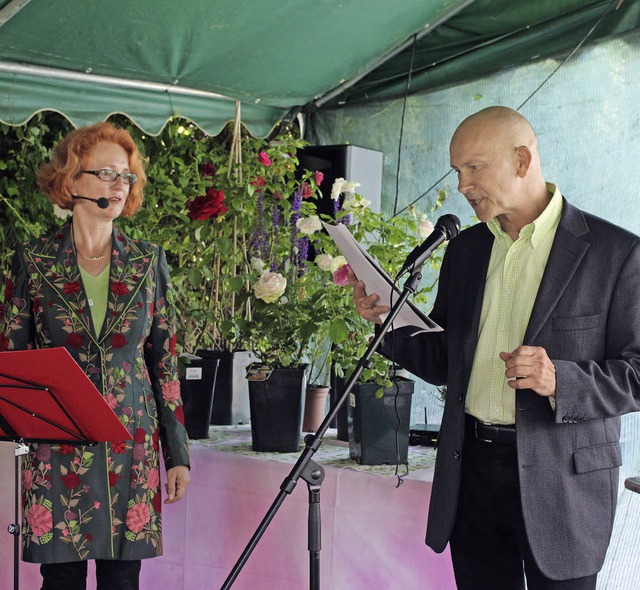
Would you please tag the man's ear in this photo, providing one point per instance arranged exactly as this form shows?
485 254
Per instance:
523 160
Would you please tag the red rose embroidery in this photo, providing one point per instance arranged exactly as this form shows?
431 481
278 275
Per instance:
172 345
137 516
71 480
39 519
119 288
71 287
118 341
114 478
155 440
74 340
8 290
118 447
207 206
4 342
139 436
66 449
179 412
156 503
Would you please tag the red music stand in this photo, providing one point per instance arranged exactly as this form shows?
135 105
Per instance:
45 397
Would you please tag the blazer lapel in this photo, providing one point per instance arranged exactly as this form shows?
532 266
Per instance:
130 265
566 254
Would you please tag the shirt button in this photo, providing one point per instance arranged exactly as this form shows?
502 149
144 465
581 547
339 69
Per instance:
456 455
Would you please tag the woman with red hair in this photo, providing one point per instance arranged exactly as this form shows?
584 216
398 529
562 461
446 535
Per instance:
106 298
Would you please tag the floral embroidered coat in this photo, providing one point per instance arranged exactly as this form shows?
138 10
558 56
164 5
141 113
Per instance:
103 501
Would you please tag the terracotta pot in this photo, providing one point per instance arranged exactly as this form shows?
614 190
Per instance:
315 406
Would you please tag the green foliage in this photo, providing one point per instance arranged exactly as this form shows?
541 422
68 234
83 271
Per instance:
210 258
24 212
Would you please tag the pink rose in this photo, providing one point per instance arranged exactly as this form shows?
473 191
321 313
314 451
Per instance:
264 158
137 516
153 479
27 479
39 519
171 391
341 276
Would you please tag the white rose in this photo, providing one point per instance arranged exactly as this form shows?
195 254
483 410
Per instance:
257 264
324 261
337 262
270 287
349 187
336 188
425 227
356 203
309 225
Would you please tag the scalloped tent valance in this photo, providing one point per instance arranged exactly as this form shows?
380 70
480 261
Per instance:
155 59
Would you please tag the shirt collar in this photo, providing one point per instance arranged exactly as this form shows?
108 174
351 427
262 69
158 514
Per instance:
536 230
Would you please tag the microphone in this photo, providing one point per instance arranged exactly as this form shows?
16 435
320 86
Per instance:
447 228
102 202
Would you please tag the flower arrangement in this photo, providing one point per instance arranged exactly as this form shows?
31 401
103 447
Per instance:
254 222
389 241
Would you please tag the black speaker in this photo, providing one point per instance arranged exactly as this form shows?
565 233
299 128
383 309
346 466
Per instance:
350 162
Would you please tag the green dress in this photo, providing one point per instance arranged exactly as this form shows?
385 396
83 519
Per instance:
102 501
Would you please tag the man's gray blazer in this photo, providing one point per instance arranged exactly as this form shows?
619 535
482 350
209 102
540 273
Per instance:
587 317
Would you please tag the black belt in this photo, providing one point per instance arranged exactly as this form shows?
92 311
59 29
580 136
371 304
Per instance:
490 433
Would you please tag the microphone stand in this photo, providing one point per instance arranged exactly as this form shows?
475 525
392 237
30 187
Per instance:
309 470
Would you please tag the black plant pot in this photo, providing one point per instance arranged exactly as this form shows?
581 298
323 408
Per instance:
372 429
231 395
276 411
197 389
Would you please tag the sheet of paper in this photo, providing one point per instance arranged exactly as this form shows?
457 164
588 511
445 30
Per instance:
377 280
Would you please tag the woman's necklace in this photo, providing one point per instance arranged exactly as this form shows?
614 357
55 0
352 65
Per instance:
89 258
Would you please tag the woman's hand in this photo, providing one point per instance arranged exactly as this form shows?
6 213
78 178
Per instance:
366 304
178 479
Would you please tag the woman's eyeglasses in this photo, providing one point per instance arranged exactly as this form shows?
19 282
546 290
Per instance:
110 175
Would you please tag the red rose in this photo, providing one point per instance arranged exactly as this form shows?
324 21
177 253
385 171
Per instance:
140 435
71 480
118 341
207 206
319 177
8 290
114 478
119 288
264 158
156 503
307 191
208 170
72 287
74 340
118 447
259 181
154 439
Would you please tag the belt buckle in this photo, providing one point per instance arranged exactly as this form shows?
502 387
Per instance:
475 430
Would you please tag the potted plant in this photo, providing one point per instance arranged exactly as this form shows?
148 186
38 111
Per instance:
389 242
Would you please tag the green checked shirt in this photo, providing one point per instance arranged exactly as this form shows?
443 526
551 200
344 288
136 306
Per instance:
514 275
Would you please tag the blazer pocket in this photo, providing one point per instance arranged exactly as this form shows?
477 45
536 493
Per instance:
580 322
605 456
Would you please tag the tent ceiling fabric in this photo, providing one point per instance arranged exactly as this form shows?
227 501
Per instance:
153 59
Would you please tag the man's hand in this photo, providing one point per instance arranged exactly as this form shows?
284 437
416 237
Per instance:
178 479
366 304
529 367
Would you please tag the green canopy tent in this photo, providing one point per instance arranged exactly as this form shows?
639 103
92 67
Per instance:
199 59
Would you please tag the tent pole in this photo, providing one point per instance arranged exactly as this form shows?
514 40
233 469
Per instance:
11 9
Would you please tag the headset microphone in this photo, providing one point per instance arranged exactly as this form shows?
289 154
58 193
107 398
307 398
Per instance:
102 202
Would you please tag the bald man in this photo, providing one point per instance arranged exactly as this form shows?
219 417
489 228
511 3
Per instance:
540 353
